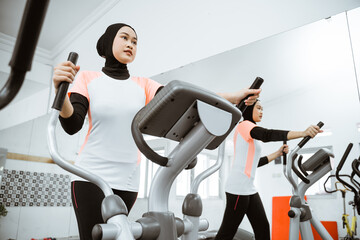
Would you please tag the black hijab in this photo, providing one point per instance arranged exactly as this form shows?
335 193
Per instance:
113 68
248 113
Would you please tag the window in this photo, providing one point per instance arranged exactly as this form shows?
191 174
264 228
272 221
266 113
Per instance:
147 172
209 187
318 187
183 182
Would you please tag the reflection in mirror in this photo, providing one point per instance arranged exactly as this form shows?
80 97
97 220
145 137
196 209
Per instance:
310 76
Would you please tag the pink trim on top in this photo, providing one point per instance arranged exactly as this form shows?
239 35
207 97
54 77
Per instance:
235 139
138 157
244 128
250 158
82 81
88 133
150 86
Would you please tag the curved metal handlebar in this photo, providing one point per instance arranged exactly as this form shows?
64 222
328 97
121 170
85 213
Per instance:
296 171
336 188
301 166
59 160
196 183
143 146
339 167
26 41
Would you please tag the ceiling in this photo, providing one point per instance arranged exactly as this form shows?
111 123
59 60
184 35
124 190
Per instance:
66 18
53 31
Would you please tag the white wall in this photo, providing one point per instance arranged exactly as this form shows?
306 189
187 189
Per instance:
31 138
37 222
32 99
179 33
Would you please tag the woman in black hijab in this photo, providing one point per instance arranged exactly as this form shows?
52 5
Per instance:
242 197
113 67
110 97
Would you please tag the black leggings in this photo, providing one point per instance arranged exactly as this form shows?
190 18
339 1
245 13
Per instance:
236 207
86 198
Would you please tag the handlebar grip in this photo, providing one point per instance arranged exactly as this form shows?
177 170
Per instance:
346 154
284 154
255 85
63 86
307 138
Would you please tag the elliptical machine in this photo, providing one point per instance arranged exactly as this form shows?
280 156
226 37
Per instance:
300 213
181 112
184 113
350 228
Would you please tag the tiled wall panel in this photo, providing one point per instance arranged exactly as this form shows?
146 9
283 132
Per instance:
34 189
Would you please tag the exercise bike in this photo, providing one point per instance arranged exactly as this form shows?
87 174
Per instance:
350 228
300 212
181 112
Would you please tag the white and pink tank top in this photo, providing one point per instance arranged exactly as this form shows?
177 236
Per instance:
246 158
109 150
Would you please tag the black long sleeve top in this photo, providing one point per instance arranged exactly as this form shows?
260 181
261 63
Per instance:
267 135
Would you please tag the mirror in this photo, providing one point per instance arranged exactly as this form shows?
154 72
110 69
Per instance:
310 76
